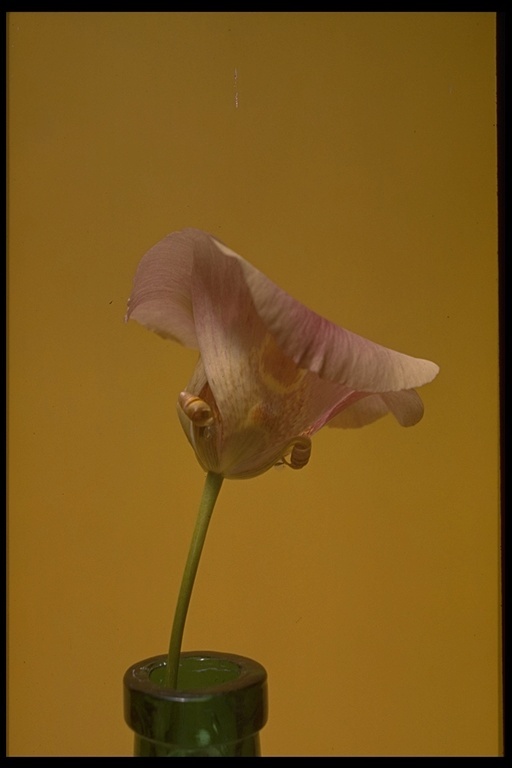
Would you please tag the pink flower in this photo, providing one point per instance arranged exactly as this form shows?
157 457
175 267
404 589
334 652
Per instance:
271 372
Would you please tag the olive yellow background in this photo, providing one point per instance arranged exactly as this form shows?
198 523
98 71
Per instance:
352 158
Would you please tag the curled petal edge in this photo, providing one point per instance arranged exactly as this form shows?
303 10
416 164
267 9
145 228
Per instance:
406 406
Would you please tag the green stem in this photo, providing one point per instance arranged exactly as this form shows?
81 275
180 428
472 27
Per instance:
211 490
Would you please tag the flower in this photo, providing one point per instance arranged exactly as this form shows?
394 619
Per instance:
271 372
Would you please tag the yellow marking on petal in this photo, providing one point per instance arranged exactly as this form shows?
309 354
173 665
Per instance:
261 415
277 371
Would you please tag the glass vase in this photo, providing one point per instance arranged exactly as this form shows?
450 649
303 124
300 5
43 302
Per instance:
217 709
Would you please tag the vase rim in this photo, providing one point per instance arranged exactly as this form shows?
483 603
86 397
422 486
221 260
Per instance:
250 673
226 712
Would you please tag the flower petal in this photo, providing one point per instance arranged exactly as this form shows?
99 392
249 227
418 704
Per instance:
255 385
327 349
161 298
162 301
229 331
406 407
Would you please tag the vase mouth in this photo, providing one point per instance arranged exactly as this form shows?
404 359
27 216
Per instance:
219 708
213 673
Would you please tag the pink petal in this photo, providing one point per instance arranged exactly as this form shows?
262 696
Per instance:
229 330
406 407
161 298
327 349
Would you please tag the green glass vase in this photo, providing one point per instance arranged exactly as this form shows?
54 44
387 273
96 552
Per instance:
217 709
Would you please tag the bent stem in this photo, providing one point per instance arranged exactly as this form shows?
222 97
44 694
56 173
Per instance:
211 490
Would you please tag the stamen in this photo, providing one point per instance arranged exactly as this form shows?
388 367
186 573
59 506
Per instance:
197 410
300 453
